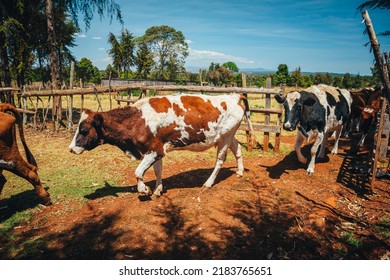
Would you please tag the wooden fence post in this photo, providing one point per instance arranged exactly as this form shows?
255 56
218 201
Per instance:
70 120
267 115
248 138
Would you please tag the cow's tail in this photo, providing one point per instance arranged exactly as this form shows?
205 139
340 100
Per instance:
8 108
251 132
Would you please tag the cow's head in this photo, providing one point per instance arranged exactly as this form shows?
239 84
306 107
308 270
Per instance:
88 133
294 105
373 104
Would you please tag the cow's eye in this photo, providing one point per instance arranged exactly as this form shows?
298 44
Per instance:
299 107
83 131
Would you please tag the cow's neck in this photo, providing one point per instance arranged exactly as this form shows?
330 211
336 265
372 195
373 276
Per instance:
119 128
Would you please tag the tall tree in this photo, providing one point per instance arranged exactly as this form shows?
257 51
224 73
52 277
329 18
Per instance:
87 9
143 61
168 45
231 66
122 51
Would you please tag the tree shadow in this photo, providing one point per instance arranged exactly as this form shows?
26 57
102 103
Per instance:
17 203
189 179
266 232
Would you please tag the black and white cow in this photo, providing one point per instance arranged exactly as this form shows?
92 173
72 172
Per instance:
316 111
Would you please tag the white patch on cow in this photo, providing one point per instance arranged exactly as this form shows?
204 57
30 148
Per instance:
291 97
72 146
7 164
368 110
229 119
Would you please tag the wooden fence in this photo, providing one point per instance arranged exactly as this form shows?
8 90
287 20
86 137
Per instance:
113 92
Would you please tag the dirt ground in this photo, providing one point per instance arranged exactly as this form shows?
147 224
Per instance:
275 211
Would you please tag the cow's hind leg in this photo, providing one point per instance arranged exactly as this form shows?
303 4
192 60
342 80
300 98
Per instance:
336 142
221 157
158 171
29 172
146 163
235 147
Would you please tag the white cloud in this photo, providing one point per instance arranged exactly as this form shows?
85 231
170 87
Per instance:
188 41
101 49
107 59
97 38
212 56
81 35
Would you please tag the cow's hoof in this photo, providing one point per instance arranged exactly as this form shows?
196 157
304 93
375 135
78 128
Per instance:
158 191
46 202
310 171
239 174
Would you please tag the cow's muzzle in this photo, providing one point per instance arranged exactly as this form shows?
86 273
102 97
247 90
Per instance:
76 150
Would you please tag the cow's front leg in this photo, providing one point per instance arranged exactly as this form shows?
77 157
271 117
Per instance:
297 147
313 152
146 163
158 171
221 157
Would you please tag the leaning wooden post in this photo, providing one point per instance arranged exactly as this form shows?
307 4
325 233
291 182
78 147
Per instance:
383 71
384 74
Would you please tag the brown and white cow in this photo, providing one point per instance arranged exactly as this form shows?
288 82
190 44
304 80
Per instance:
154 126
10 158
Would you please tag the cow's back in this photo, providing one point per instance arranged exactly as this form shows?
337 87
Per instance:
194 122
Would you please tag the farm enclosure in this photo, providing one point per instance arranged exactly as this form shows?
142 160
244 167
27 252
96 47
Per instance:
276 211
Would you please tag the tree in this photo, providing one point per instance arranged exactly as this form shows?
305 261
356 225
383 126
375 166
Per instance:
168 46
85 7
295 78
143 61
87 72
281 75
219 75
231 66
122 51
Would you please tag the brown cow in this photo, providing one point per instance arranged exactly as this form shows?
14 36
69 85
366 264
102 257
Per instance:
10 158
155 126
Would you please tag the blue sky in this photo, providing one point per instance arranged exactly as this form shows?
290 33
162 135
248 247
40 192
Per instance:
318 35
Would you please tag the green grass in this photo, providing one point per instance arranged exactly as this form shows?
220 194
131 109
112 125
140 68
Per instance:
350 239
383 227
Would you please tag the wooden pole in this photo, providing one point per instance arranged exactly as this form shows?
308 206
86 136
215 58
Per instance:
200 77
383 71
70 120
267 115
384 74
71 75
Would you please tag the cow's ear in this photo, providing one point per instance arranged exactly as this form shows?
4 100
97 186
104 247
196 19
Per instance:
280 98
309 101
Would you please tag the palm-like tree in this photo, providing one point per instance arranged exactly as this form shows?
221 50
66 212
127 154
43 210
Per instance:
122 51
